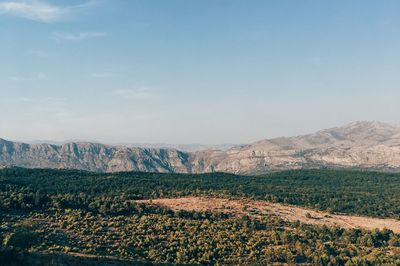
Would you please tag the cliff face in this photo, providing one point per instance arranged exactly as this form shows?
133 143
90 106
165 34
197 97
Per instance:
370 145
92 156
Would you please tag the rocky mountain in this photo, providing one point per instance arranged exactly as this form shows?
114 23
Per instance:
92 156
370 145
181 147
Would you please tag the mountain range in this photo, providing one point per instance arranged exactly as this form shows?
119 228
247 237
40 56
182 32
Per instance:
363 144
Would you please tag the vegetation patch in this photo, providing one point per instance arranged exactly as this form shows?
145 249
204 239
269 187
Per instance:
97 216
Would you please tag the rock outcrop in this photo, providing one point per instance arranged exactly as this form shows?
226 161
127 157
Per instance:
92 157
370 145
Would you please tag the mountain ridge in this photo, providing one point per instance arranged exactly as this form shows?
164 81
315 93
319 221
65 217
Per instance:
360 144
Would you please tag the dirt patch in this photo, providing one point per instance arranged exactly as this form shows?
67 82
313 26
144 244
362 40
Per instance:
257 208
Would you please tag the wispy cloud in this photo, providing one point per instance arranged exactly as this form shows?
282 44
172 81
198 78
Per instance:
37 77
134 94
33 10
70 37
20 100
39 10
40 101
50 107
316 61
39 53
103 75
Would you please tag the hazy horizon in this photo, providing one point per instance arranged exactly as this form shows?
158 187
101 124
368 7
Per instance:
194 72
189 146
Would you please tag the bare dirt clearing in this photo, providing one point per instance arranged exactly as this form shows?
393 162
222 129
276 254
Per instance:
256 208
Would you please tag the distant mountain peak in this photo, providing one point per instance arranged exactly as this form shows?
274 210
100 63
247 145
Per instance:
361 144
363 131
363 124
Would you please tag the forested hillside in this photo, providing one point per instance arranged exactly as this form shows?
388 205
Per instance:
71 212
353 192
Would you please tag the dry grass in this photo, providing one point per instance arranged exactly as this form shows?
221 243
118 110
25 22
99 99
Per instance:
256 208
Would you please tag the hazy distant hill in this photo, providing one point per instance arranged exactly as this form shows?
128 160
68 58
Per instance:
92 156
181 147
360 144
371 145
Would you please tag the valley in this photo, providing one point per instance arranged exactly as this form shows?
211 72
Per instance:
303 217
177 133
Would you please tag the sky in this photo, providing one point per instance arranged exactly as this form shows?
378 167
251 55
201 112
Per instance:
195 71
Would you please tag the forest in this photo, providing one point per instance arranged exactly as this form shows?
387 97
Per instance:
69 212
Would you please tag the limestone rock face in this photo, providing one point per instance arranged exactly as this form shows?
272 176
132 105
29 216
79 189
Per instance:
92 157
370 145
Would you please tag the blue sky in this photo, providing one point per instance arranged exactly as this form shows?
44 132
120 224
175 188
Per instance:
195 71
